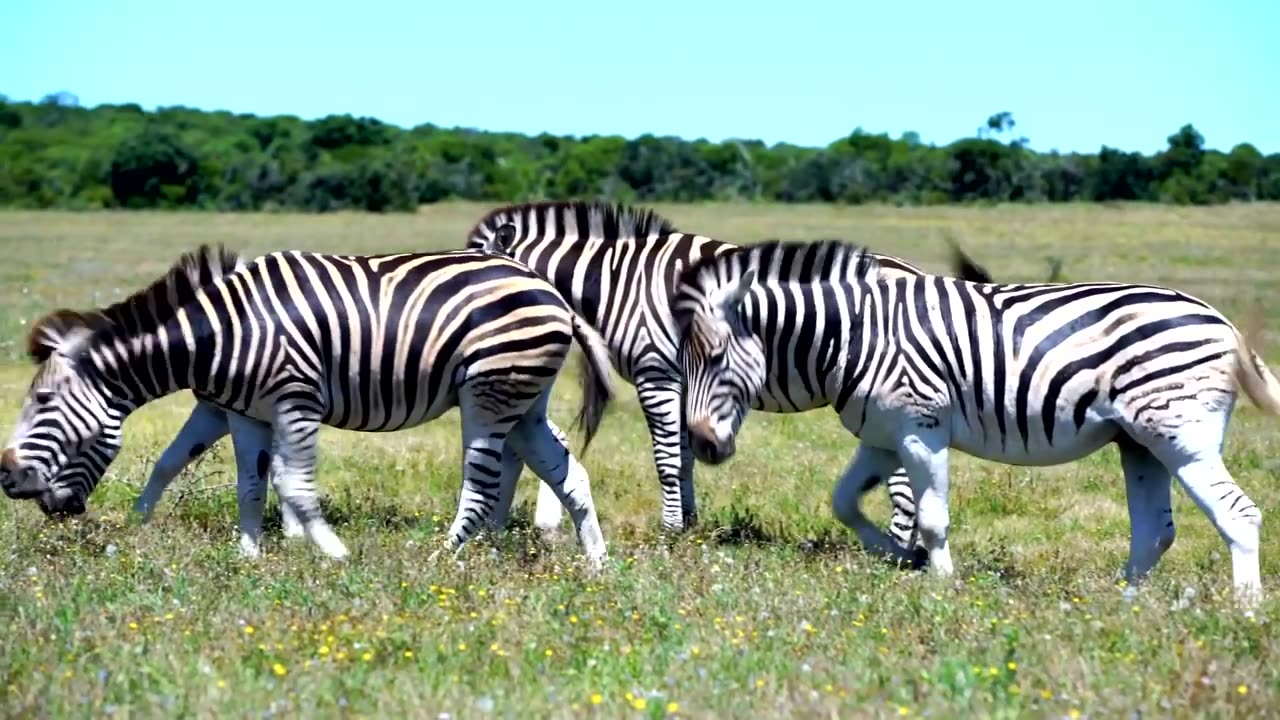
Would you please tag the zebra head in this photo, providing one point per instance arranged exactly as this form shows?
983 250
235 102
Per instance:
727 307
723 362
68 430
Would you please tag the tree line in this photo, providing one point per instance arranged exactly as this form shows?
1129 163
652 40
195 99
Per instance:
56 154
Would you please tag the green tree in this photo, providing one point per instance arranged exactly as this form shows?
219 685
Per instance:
154 169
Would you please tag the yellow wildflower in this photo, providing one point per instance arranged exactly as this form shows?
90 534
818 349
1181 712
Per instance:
279 669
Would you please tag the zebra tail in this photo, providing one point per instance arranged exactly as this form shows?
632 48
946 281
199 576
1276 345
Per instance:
1251 373
597 383
966 268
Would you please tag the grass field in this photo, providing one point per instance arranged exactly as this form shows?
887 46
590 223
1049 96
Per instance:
766 610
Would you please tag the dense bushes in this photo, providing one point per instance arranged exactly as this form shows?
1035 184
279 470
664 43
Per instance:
57 154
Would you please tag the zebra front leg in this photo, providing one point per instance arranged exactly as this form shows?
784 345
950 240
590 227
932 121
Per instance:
251 440
660 402
204 427
549 511
296 427
869 467
924 456
688 504
559 470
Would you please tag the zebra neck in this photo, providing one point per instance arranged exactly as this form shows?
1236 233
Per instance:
136 368
808 333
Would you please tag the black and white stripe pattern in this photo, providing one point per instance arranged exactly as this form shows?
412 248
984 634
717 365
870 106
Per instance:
617 266
295 340
1034 374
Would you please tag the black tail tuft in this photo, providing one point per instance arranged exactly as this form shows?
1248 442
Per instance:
597 383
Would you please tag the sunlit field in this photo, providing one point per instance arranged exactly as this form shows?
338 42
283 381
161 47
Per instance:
769 608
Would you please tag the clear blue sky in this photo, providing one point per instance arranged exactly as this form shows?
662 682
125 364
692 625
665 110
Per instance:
1075 73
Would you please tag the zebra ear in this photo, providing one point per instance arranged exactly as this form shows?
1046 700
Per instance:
734 295
64 332
501 241
74 341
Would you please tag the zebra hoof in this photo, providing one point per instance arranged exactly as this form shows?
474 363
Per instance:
919 557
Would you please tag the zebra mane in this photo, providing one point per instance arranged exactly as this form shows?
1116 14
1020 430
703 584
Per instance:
142 311
596 219
782 261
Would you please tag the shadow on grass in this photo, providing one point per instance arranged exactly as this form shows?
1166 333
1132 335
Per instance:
736 526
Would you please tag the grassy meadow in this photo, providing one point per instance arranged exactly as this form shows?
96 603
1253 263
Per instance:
768 609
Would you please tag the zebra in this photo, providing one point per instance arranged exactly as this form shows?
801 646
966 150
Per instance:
1025 374
70 489
617 266
294 340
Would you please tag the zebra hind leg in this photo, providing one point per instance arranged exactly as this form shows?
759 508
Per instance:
296 429
512 465
549 512
558 469
924 457
902 523
869 467
1194 457
1148 487
488 417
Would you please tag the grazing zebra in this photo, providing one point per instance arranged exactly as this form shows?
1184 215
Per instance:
617 267
295 340
1034 374
70 489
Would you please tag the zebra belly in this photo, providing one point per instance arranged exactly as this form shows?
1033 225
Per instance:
1069 443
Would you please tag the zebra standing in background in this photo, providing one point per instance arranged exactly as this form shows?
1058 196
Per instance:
1035 374
296 340
617 267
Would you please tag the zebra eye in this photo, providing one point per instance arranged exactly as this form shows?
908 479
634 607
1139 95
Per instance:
44 397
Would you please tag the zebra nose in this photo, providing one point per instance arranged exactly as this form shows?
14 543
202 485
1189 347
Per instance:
17 483
706 446
9 460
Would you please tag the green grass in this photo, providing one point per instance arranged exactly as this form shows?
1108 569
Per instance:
768 609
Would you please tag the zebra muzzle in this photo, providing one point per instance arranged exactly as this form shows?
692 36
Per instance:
60 504
19 483
707 448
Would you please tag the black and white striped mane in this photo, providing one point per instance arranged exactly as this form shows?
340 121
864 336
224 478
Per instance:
597 220
141 312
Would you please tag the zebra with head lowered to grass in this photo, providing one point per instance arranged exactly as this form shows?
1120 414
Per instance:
1032 374
617 267
294 340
